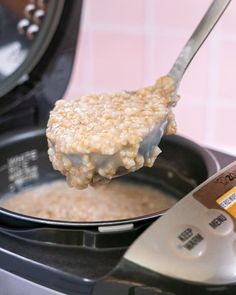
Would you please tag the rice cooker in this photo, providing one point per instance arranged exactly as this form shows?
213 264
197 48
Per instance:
189 250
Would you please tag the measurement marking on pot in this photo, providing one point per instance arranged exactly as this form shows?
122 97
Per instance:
21 169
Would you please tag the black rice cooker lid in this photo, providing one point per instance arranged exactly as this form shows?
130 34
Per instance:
37 47
25 37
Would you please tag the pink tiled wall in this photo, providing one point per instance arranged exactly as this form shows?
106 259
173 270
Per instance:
126 44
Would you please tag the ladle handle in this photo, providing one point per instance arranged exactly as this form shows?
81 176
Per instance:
203 29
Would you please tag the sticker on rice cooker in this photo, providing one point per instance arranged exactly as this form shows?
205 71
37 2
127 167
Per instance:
228 201
21 169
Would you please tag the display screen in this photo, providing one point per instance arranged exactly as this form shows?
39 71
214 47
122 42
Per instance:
228 201
219 192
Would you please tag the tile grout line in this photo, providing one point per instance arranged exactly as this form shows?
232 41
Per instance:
213 94
135 29
88 67
149 58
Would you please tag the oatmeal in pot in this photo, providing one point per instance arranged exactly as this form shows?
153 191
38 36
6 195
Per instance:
92 137
115 201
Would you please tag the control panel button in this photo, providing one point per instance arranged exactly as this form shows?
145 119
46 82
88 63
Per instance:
219 222
189 241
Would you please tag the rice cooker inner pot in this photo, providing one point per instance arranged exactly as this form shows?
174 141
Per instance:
24 162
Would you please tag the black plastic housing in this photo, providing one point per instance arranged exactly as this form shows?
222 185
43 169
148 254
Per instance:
29 103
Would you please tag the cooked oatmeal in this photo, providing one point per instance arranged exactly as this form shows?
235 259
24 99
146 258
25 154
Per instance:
92 137
111 202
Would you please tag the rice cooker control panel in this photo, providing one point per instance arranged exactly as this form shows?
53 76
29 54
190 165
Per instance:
196 239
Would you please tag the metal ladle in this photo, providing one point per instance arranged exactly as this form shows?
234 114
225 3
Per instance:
203 29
